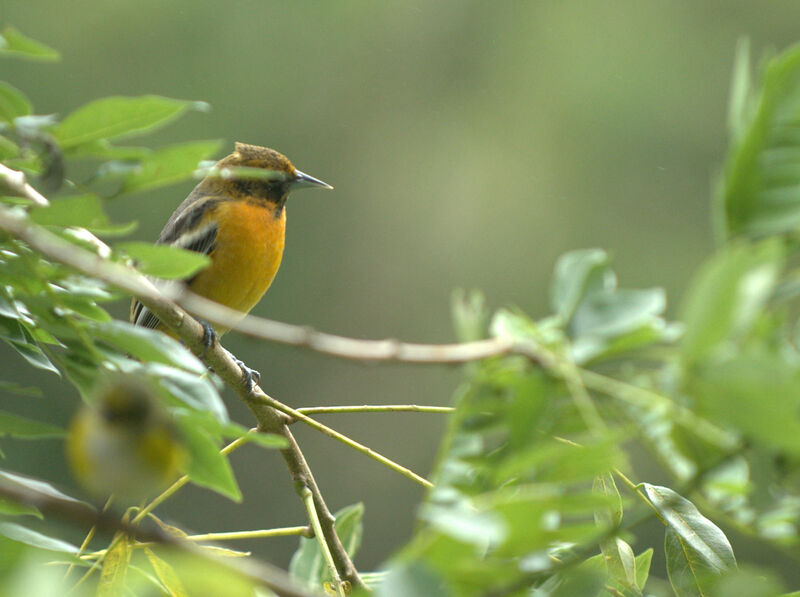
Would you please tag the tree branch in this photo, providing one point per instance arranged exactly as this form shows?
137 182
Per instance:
77 512
191 333
14 181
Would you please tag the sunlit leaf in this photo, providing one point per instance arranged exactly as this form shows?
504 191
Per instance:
643 567
207 467
13 103
115 117
726 297
85 211
757 194
115 568
697 550
168 165
164 261
13 43
412 580
576 274
166 574
148 345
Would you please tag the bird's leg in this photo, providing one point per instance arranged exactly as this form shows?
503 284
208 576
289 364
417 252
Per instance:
251 376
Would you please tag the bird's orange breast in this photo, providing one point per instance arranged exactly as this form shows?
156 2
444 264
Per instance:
247 254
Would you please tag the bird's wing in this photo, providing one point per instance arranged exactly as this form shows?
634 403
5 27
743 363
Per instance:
188 230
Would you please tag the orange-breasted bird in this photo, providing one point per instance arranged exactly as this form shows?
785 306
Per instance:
239 221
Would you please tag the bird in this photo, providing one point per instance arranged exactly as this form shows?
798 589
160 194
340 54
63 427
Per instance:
237 216
123 442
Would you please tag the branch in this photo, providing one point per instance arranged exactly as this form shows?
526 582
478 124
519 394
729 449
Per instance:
191 333
14 181
76 512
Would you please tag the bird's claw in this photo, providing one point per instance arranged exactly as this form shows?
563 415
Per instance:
251 376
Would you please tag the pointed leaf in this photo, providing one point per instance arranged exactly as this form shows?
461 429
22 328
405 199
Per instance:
643 567
166 574
115 568
208 467
148 345
165 261
13 43
727 295
84 211
22 427
115 117
13 103
25 535
169 165
697 550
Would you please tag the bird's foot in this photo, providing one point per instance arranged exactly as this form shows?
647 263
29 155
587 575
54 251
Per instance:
209 337
251 376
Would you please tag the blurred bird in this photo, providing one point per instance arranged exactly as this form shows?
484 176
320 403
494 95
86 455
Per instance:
238 219
123 442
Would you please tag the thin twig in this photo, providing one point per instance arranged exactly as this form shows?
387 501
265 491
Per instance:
311 509
303 531
340 437
76 512
374 408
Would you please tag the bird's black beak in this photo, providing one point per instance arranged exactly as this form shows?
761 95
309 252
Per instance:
303 180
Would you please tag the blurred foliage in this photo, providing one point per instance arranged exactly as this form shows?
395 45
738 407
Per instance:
527 498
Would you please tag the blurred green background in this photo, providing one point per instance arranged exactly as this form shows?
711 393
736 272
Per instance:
470 144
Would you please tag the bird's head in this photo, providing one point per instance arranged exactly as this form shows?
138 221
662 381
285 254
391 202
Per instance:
261 173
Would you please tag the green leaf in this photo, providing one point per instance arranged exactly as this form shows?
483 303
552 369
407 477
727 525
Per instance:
84 211
749 582
37 486
412 580
470 315
166 574
22 427
101 148
583 580
756 393
308 563
25 535
165 261
147 344
192 389
727 296
13 103
643 567
697 550
757 193
604 485
34 355
741 98
610 314
207 466
10 508
13 43
169 165
15 388
115 568
115 117
576 274
620 561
